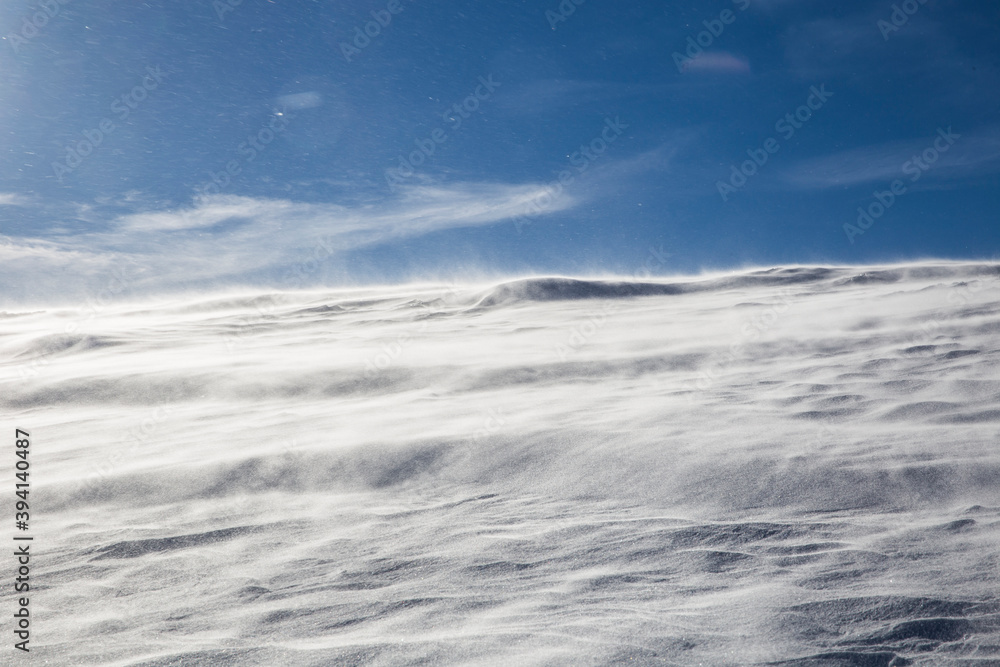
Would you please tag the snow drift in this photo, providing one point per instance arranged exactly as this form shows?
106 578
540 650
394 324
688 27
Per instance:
795 466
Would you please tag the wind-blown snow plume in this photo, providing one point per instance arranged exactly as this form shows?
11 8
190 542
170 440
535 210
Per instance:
788 466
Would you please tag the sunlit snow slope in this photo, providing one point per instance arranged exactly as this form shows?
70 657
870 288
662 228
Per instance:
796 466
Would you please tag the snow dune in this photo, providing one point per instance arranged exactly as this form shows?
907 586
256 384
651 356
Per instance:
794 466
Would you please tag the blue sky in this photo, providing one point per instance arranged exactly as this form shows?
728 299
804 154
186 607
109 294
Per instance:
189 145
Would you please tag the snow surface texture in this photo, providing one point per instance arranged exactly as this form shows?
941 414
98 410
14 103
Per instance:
796 466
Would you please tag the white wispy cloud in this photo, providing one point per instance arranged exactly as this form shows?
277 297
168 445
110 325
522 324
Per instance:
12 199
719 62
971 153
418 210
220 237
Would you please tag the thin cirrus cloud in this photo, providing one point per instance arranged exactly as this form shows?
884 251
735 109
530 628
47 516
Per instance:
418 210
11 199
296 101
717 62
970 154
223 237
